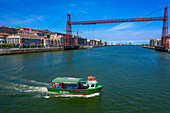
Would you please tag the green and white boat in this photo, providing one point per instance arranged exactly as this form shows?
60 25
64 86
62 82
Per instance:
74 86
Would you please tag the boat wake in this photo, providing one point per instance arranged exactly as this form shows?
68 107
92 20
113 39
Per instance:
20 80
13 86
22 87
70 95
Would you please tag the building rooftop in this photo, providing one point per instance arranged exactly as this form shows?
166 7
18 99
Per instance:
26 35
5 34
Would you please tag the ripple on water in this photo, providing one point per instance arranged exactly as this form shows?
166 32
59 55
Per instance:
135 80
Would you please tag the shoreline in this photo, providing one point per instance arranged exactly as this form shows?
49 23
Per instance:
157 49
13 51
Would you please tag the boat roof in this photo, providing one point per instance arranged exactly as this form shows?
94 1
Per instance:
67 80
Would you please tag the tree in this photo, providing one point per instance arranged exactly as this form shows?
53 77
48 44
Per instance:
5 45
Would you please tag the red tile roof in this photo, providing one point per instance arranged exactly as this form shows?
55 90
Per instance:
5 34
26 35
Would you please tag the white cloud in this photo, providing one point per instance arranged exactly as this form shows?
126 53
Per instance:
128 25
123 35
137 33
81 11
122 26
37 17
18 20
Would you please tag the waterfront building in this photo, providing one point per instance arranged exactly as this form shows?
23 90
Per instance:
168 42
53 39
85 41
104 43
57 39
3 37
88 42
46 41
155 42
62 39
37 32
22 30
91 42
24 40
10 30
29 37
78 41
98 42
158 42
73 40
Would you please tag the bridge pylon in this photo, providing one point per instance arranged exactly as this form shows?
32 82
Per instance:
164 41
68 37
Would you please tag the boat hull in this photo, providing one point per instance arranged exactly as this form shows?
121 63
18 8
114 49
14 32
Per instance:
75 91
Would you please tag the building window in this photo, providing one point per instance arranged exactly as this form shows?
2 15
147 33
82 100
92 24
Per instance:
9 40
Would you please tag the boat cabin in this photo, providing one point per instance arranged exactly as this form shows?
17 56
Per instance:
74 83
92 83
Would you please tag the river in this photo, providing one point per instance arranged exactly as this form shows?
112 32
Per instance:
135 80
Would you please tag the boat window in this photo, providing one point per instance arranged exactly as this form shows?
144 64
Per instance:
92 85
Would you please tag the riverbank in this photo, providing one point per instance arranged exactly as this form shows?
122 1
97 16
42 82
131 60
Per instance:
148 47
35 50
28 50
156 48
86 47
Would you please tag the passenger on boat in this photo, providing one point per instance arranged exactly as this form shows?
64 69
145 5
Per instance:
79 84
57 85
53 85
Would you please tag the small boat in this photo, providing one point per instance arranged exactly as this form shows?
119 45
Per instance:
75 86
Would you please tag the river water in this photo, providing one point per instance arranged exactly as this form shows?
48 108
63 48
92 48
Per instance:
135 80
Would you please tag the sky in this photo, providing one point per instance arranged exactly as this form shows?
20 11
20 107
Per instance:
41 14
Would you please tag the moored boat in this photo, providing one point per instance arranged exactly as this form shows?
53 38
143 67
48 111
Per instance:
75 86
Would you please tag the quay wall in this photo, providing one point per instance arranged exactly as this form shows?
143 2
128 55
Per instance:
35 50
85 47
157 48
28 50
149 47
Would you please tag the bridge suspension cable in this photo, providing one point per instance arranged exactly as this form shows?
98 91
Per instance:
151 12
56 23
163 18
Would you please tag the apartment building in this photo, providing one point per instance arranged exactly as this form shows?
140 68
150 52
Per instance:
155 42
10 30
3 37
24 40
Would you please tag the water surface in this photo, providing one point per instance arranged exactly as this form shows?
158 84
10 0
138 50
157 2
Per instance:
135 80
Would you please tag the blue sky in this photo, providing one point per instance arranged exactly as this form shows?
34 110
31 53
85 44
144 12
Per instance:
42 14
